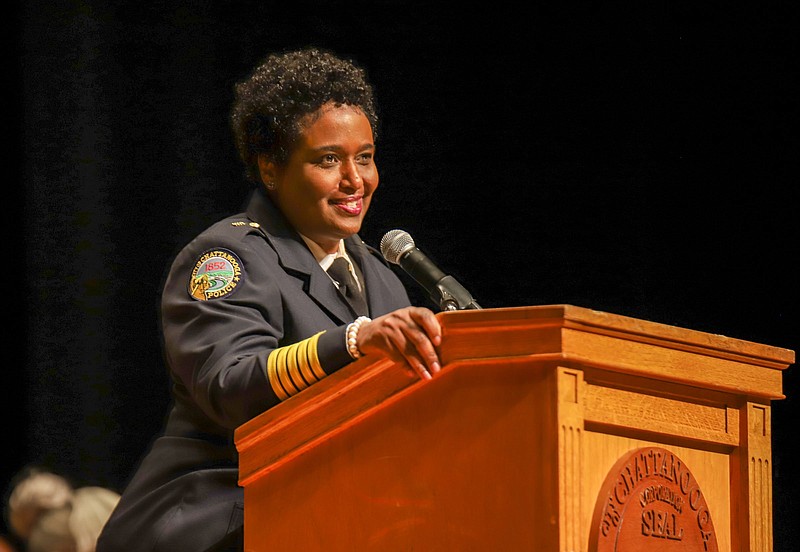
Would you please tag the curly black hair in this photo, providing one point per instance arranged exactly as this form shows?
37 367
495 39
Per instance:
282 90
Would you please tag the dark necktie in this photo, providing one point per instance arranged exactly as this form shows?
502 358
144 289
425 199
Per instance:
340 271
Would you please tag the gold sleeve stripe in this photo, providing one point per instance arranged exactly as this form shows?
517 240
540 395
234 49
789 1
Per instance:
293 370
272 376
313 359
302 359
294 367
283 372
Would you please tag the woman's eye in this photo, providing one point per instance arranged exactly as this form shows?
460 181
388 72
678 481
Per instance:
364 158
328 159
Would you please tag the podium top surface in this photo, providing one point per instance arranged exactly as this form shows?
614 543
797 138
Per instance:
570 316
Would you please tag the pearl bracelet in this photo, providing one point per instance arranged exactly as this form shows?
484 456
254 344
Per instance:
352 333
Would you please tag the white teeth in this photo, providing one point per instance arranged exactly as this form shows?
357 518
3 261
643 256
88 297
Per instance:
351 204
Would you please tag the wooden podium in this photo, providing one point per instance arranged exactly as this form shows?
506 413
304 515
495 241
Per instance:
550 428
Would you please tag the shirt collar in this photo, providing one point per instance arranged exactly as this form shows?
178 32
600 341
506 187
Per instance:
325 259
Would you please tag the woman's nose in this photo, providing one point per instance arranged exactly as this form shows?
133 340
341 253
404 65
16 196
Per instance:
351 177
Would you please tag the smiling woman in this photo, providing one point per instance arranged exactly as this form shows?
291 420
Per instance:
325 187
250 313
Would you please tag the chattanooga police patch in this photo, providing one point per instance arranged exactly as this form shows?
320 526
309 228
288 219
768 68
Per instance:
216 274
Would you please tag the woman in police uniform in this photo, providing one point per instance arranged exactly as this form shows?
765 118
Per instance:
254 310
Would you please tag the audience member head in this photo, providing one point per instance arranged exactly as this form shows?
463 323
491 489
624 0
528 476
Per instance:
49 515
91 508
35 493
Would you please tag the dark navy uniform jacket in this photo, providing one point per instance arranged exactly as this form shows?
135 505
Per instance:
243 290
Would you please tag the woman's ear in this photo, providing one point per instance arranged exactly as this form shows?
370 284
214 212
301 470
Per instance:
268 171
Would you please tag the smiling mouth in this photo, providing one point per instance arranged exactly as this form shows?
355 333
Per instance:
351 206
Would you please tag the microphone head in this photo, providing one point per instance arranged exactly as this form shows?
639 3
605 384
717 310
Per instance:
394 243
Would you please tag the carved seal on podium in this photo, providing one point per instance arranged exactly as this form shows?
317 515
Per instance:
651 501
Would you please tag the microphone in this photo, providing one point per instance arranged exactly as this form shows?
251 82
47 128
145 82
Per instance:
397 247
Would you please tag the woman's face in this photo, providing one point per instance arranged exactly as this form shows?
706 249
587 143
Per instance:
326 186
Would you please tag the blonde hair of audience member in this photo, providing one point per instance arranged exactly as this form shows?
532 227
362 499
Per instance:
75 526
33 496
51 532
63 521
91 508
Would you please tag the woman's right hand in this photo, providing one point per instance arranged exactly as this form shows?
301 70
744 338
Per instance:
410 335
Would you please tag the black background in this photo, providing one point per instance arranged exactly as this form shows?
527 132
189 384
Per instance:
639 159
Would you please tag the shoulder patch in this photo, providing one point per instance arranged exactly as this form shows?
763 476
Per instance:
215 274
